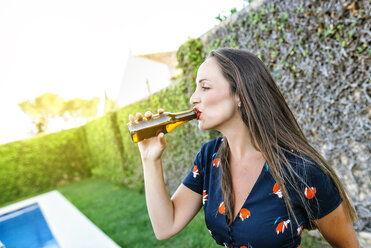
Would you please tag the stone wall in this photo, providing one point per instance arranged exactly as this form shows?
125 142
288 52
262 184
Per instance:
319 54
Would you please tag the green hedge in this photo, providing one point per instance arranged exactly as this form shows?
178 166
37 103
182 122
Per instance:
105 148
30 166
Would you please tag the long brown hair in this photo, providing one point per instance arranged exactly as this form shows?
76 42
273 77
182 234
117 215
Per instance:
272 128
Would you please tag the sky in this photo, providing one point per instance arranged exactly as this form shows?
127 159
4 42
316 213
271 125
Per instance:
78 48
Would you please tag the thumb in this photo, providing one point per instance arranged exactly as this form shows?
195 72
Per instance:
161 138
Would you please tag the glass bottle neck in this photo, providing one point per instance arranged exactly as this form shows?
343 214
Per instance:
185 115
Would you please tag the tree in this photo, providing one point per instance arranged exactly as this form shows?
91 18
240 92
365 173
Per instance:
49 106
80 108
42 109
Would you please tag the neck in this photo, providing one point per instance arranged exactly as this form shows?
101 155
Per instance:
240 143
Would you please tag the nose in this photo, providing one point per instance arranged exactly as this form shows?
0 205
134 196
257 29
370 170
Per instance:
194 99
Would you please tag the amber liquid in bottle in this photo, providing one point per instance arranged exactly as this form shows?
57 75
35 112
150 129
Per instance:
165 123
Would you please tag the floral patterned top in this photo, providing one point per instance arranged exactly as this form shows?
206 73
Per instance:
263 220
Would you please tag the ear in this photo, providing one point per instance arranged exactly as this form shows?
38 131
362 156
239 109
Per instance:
237 100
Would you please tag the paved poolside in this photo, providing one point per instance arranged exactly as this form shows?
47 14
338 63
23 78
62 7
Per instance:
69 226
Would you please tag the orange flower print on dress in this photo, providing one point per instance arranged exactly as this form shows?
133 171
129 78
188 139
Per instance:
244 214
248 246
282 225
309 192
216 162
300 230
195 171
277 190
204 197
221 208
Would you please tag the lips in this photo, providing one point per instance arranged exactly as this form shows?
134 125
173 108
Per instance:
198 113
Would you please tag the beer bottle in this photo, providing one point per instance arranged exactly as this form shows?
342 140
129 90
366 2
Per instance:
165 123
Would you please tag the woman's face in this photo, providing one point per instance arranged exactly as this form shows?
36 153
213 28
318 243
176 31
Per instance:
212 97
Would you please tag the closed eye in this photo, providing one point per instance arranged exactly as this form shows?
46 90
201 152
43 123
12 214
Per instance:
205 88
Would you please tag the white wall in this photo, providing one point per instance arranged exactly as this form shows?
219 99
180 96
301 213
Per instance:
137 72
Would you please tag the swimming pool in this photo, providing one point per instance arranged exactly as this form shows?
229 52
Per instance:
29 224
59 224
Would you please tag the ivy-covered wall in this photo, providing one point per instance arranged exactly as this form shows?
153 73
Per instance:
319 54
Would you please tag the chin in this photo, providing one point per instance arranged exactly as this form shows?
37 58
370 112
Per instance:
203 127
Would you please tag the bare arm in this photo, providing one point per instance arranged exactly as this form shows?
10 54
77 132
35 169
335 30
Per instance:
168 216
338 229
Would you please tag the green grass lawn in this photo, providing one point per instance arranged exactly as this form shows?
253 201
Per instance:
122 215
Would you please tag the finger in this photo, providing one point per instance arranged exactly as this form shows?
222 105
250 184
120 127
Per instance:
139 116
131 118
161 138
160 111
148 115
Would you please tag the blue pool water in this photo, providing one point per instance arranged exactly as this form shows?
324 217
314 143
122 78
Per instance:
26 228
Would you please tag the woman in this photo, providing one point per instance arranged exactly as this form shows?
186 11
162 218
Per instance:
260 184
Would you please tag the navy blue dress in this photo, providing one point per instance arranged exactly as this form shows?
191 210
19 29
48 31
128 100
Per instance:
263 220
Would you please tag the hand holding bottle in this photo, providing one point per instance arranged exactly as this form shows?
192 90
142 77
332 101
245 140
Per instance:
151 148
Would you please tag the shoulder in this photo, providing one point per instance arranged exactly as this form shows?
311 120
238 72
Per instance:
307 173
303 165
314 180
